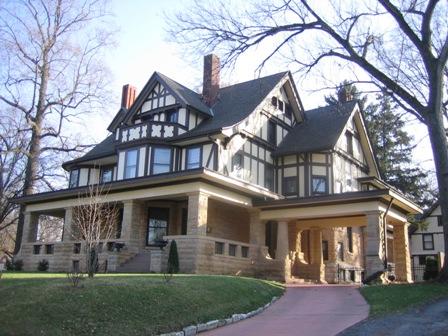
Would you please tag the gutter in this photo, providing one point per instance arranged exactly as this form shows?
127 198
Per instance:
385 232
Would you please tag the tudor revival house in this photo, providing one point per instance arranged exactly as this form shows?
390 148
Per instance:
242 177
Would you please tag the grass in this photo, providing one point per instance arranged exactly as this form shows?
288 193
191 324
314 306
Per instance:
396 298
123 304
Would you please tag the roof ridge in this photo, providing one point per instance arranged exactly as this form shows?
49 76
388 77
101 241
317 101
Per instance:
255 79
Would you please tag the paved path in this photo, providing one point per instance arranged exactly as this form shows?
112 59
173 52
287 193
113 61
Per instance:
304 310
428 320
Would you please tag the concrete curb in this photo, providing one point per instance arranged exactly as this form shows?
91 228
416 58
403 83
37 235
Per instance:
195 329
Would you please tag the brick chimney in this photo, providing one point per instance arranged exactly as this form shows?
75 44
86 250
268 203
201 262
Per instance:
128 96
344 95
210 86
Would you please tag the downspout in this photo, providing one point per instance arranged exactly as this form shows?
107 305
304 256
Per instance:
385 232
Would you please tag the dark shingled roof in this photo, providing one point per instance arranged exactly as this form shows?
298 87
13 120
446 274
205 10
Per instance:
235 103
103 149
190 97
319 131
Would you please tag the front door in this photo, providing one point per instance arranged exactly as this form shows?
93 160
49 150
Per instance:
158 219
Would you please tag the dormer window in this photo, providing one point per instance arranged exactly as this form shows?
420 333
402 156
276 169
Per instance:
349 139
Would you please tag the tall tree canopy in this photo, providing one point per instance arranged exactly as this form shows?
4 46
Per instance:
52 71
399 46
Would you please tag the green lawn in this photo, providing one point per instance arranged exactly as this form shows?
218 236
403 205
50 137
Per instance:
123 304
396 298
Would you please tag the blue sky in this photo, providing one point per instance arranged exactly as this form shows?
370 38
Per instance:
142 48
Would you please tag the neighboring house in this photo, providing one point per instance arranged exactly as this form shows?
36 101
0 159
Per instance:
427 242
242 177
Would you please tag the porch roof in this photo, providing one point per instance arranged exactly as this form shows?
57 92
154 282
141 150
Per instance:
399 202
194 175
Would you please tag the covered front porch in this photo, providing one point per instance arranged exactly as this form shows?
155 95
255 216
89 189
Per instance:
339 238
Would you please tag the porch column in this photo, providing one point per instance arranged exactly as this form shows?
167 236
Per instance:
68 221
373 243
316 254
401 253
282 252
256 229
197 214
30 226
133 230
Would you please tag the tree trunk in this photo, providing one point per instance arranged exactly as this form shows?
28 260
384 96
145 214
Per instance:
439 146
32 165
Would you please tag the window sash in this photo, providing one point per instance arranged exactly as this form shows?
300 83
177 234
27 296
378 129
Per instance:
272 136
428 241
106 175
74 176
290 185
319 184
193 157
130 169
161 160
269 177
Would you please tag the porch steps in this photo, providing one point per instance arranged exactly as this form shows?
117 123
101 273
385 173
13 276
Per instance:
137 264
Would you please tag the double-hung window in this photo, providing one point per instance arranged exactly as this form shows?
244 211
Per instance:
193 157
161 160
428 241
290 185
106 175
74 177
272 134
130 167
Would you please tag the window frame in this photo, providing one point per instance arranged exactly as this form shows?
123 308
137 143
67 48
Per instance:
325 250
188 150
153 159
425 248
107 169
272 133
269 168
324 177
70 181
126 166
287 179
149 226
171 113
349 140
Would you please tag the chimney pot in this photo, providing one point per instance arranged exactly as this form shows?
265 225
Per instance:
210 86
128 96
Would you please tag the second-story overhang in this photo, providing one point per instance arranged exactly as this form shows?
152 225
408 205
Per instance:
172 184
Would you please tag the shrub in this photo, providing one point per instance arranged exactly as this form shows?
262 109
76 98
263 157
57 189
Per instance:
431 269
43 265
74 277
18 265
9 265
173 259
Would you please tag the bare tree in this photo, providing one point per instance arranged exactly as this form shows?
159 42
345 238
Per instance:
13 146
52 71
399 46
94 222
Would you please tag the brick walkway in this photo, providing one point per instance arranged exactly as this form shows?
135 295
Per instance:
304 310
